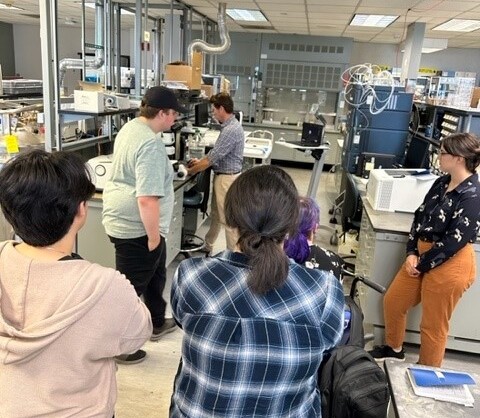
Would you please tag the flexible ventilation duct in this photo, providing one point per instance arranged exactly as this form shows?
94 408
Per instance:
200 45
91 62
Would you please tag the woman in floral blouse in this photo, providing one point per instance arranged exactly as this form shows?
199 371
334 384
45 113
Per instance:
440 262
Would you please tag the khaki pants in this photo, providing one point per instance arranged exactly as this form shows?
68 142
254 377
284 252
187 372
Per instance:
439 291
221 184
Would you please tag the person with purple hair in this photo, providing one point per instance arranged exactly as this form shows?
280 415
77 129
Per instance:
300 246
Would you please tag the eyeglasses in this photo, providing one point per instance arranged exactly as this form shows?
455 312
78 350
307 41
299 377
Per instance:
443 152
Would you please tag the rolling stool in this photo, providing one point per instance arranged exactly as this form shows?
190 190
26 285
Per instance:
194 200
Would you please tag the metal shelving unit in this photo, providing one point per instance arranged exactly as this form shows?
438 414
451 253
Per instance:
69 115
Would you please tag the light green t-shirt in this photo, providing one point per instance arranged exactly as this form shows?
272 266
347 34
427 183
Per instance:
140 167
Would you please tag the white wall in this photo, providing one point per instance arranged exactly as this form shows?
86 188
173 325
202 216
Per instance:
28 49
380 54
455 59
28 53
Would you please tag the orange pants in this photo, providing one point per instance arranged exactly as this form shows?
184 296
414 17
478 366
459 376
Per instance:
439 290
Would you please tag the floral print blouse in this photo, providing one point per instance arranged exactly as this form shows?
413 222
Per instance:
449 219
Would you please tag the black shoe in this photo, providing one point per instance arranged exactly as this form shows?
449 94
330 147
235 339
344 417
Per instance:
382 352
133 358
168 326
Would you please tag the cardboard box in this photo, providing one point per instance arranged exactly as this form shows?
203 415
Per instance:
475 97
225 85
88 101
189 75
208 89
89 86
196 70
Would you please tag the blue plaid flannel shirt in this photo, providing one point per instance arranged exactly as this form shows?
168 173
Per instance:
249 355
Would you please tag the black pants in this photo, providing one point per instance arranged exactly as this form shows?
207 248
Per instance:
146 271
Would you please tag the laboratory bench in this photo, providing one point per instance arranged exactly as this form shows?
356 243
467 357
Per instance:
381 252
94 245
293 133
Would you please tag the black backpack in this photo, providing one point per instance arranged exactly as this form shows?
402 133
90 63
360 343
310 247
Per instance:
352 385
353 333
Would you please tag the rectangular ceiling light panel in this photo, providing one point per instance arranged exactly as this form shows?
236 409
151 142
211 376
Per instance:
245 15
378 21
459 25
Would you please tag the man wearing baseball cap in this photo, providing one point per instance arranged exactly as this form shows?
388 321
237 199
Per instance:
138 205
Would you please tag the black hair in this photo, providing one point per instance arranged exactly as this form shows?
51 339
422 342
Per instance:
262 204
224 100
40 193
464 145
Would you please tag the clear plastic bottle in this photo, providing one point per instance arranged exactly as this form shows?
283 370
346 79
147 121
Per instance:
197 149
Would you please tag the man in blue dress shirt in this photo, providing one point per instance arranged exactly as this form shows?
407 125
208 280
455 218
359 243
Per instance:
226 160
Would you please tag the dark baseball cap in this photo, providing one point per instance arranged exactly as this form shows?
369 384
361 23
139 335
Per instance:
162 97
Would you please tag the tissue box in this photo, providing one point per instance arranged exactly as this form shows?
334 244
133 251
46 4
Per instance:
88 101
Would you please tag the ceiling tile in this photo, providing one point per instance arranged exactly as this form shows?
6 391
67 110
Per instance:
323 16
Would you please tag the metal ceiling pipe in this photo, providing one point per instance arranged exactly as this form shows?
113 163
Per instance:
91 62
200 45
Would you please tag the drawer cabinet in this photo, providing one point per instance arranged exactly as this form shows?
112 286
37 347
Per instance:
174 237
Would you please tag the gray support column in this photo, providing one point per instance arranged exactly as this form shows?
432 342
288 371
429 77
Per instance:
413 51
186 32
118 47
51 95
145 51
137 47
108 44
157 51
84 73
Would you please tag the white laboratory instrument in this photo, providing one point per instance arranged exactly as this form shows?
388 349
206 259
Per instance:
398 190
100 169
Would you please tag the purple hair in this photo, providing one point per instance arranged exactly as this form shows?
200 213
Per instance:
296 246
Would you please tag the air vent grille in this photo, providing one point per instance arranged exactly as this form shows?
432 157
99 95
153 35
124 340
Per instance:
301 47
303 75
234 69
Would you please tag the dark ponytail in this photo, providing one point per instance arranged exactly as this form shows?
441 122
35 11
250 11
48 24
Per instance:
263 205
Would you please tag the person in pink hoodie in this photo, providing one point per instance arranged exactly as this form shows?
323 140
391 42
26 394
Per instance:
62 318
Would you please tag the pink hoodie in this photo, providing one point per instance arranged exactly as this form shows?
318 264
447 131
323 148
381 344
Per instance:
61 324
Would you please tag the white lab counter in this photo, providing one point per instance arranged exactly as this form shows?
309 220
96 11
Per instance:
94 245
254 147
382 246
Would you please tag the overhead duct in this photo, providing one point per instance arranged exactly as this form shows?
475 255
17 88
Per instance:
91 62
200 45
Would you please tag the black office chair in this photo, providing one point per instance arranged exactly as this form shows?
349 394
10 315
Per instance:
352 207
195 199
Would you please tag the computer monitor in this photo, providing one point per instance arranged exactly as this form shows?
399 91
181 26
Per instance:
417 155
202 113
369 160
312 134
